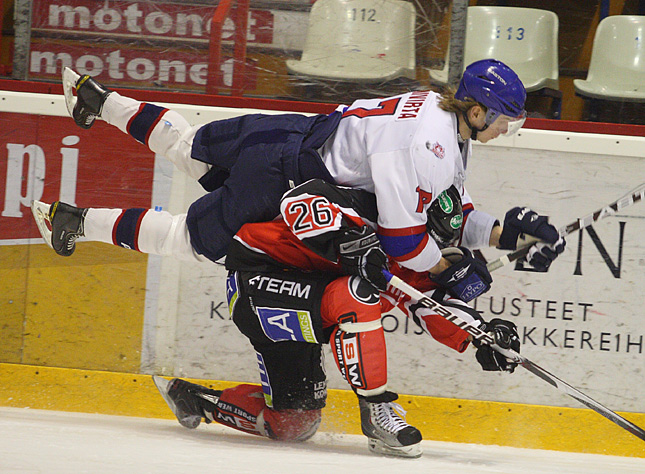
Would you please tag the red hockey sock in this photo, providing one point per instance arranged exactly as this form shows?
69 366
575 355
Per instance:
243 408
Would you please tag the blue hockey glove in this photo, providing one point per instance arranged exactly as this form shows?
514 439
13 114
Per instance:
466 278
522 220
505 335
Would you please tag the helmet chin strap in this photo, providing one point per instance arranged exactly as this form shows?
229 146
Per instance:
473 131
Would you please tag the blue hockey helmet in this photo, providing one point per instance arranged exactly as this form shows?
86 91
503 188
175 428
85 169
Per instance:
496 86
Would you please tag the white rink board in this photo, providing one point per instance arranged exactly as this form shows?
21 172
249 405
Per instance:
585 328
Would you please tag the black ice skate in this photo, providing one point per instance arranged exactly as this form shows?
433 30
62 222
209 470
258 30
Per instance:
188 401
387 432
90 96
66 224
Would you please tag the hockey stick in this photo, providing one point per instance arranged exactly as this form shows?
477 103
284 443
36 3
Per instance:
628 199
535 369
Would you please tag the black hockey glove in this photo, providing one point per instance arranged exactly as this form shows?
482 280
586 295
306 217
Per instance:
522 220
466 278
505 335
360 254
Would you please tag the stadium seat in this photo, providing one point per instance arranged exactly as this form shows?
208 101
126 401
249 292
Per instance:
524 38
358 41
617 67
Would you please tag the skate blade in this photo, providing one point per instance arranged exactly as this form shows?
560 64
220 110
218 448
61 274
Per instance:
379 447
190 422
162 386
70 78
40 210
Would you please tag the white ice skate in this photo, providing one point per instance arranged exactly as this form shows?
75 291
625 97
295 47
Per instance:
387 431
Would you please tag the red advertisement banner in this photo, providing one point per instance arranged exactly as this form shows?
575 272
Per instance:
143 20
50 158
131 65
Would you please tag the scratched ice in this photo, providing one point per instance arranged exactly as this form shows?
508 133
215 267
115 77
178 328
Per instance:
35 441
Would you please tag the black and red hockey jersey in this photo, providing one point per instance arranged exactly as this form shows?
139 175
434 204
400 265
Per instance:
303 237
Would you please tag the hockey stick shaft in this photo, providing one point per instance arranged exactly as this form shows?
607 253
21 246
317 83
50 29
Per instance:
627 200
535 369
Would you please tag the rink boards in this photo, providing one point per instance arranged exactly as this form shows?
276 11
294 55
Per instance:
108 309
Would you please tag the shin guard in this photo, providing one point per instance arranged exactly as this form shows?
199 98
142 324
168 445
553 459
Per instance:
352 306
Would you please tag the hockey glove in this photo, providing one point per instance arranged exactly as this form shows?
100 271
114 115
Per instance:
466 278
505 335
522 220
541 255
360 254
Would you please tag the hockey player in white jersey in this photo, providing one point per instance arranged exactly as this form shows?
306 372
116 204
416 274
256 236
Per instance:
406 149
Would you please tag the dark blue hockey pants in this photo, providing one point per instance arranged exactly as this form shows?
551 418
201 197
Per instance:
255 159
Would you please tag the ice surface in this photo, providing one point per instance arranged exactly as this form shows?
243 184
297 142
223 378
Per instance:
37 441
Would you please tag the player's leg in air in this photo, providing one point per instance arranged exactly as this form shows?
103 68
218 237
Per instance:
257 163
164 131
345 312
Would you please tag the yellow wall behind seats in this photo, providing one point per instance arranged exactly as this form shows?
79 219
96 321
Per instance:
84 311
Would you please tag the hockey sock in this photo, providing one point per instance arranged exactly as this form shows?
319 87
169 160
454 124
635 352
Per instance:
144 230
99 224
243 408
164 131
138 119
118 110
126 228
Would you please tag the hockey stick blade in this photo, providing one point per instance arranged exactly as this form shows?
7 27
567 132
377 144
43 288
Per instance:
638 194
535 369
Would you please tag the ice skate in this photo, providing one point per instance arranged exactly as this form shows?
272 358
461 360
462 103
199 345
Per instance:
90 96
60 225
188 401
387 432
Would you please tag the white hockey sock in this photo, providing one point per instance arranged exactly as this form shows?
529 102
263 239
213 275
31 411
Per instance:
157 233
171 137
161 233
118 110
99 224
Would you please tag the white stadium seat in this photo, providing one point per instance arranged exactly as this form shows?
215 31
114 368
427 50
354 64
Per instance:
358 41
617 67
524 38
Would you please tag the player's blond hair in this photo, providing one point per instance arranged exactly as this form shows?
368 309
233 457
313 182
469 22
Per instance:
448 102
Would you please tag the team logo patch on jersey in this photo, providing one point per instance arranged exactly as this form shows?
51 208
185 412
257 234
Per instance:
436 148
287 324
362 291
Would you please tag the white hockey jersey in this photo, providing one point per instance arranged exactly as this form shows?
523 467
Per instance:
404 149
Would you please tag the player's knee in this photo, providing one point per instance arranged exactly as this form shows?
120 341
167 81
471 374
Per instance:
291 425
350 295
164 234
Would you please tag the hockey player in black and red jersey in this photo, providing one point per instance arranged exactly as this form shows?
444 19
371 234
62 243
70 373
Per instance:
314 276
